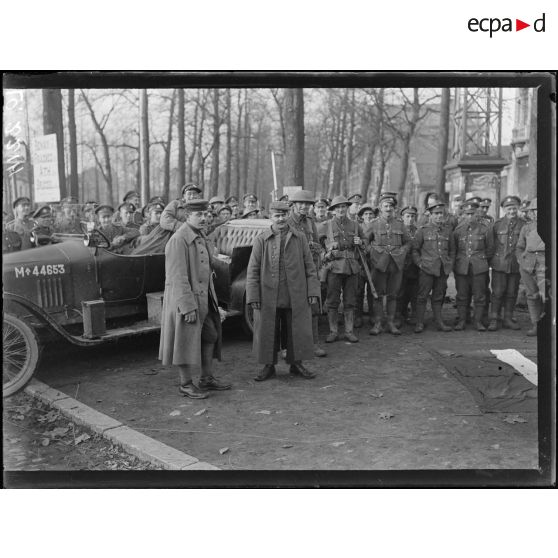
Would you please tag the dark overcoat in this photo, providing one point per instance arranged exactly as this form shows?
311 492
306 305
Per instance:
188 287
262 283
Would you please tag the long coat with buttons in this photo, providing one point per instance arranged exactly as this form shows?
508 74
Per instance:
188 286
506 234
474 244
262 283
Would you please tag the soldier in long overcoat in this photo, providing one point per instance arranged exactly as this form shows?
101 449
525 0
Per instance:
281 285
190 323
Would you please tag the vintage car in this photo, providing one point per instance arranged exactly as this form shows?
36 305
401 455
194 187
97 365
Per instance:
88 295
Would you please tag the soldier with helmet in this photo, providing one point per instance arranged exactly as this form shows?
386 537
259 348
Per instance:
389 244
342 237
474 249
505 269
409 283
299 219
530 253
434 255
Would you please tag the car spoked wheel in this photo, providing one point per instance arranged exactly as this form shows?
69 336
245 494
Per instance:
21 351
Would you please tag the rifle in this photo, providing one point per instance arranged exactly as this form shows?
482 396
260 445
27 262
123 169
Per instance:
364 264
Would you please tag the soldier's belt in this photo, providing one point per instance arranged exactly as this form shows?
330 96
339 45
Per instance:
347 254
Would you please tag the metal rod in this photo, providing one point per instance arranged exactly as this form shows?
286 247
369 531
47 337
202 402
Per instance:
275 197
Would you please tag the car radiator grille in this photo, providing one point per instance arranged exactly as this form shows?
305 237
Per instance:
49 292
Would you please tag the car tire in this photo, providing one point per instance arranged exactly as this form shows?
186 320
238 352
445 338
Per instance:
21 352
248 319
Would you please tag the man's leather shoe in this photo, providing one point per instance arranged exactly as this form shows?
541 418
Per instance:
298 370
267 372
210 383
419 328
192 391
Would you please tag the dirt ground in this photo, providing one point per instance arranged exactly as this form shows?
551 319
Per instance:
37 438
382 404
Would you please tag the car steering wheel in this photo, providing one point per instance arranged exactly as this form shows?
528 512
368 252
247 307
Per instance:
92 238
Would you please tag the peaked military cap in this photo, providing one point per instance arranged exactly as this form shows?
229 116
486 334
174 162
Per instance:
129 194
42 211
303 196
231 199
127 205
188 187
225 207
216 199
321 201
251 197
251 212
388 197
365 207
22 199
354 196
156 207
435 203
475 199
279 206
485 202
470 206
196 205
157 199
524 205
284 197
410 209
70 200
510 200
104 209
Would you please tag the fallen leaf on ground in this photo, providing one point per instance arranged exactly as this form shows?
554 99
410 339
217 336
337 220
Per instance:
264 412
385 415
223 450
495 446
286 446
174 413
337 444
200 412
326 387
512 419
81 438
151 372
57 432
379 394
45 442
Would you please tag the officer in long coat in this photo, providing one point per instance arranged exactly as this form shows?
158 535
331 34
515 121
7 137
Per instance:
530 253
505 269
281 286
474 249
190 323
434 255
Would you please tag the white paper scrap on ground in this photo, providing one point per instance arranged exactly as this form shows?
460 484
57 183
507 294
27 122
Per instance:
522 364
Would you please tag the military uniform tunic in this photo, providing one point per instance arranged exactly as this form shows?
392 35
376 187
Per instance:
23 228
530 253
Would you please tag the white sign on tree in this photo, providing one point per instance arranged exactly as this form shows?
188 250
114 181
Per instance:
45 164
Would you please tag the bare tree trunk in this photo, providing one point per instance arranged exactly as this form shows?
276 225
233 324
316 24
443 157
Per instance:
200 163
294 135
74 182
181 144
166 163
443 143
406 139
280 110
194 135
350 139
367 171
246 143
228 162
237 146
338 162
107 170
144 145
53 123
214 173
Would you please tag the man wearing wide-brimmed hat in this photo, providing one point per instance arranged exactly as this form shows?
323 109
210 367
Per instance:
299 219
505 269
342 238
190 322
530 252
389 244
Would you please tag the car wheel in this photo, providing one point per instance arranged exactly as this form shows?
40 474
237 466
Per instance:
21 354
248 319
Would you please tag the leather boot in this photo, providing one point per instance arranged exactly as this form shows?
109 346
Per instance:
349 323
461 318
494 314
535 308
440 325
378 317
358 318
508 322
392 328
318 351
421 310
479 312
333 331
